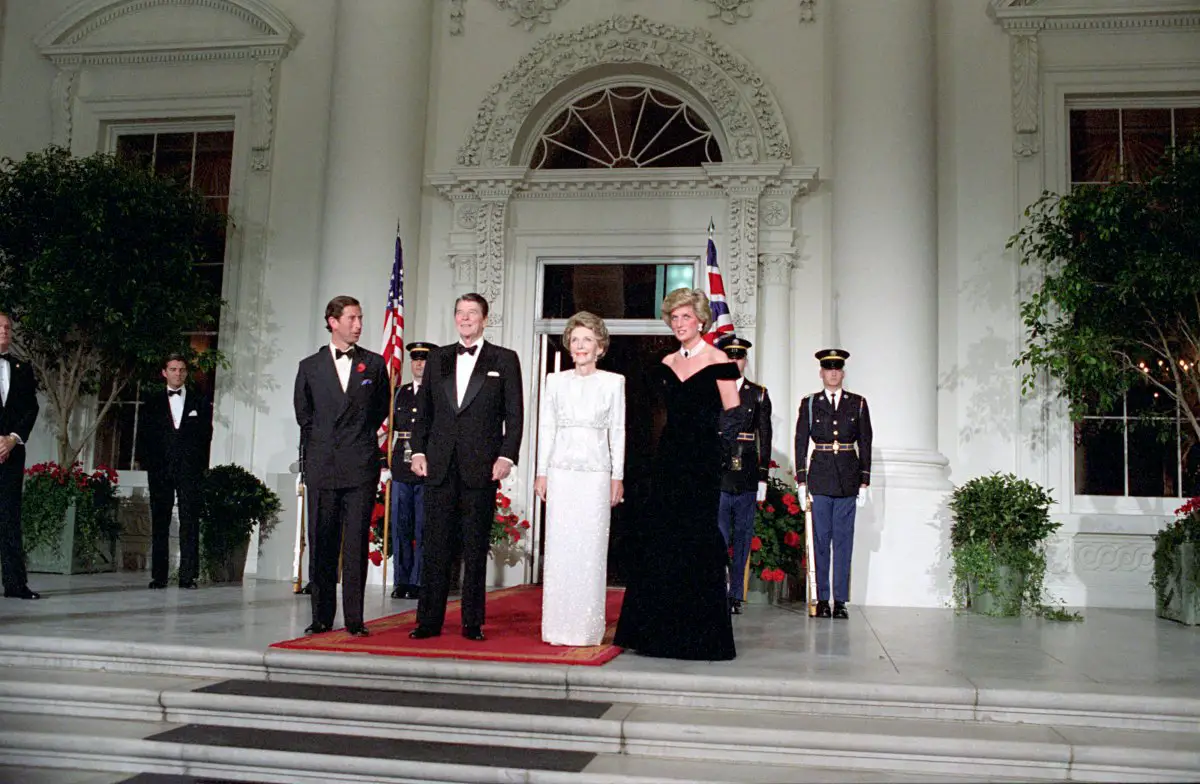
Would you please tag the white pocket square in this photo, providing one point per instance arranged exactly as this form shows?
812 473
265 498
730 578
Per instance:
495 373
192 413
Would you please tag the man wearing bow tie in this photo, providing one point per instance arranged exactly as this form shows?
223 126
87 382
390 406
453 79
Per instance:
341 399
174 435
466 444
18 412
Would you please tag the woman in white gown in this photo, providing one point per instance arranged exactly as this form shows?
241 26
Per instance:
580 467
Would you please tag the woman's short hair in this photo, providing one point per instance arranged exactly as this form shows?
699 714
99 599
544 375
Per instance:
593 322
696 299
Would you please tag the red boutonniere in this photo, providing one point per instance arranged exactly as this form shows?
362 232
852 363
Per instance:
361 367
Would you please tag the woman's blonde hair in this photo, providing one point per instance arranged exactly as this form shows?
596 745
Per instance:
694 298
591 321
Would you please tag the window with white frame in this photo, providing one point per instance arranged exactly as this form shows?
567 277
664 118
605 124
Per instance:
1143 447
200 156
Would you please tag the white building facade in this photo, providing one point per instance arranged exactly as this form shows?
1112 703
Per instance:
866 162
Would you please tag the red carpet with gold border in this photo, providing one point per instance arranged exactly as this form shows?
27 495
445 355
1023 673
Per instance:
513 629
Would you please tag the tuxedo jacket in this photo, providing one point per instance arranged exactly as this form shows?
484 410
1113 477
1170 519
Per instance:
161 447
751 447
339 431
20 411
487 425
840 473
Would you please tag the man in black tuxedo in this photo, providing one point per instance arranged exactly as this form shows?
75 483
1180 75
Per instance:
341 399
174 435
18 412
465 445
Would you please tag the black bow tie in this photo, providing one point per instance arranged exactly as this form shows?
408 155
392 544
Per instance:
467 350
172 392
6 357
338 353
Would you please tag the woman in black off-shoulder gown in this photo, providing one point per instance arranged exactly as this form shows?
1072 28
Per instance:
675 602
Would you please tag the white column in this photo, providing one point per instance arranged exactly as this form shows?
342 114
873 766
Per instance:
884 216
885 287
773 352
375 166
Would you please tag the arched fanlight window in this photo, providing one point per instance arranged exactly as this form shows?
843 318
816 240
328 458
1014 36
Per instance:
626 128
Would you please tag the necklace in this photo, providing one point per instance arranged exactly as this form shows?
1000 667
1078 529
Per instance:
689 353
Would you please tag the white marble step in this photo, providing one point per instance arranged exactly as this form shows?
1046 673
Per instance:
56 750
1117 707
918 746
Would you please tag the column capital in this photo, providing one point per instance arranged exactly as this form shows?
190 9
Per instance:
777 267
747 180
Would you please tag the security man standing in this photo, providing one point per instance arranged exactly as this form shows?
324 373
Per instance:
744 481
839 425
408 489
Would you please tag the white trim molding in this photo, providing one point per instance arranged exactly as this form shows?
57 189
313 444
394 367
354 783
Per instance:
1094 14
735 92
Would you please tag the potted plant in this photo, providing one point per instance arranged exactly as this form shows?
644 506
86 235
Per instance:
1176 578
997 544
69 519
777 548
233 502
97 267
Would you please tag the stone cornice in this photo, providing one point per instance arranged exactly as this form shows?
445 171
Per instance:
1035 15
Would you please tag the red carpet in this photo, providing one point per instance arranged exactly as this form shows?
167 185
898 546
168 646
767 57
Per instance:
513 629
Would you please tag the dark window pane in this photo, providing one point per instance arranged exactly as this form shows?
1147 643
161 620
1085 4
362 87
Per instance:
137 149
1095 145
1144 400
612 291
174 157
1146 134
1153 460
212 170
1099 457
1189 447
114 437
1187 125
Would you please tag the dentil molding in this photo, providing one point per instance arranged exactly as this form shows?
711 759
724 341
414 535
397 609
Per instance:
747 111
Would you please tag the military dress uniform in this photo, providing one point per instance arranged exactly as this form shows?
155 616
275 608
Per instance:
408 489
747 463
839 427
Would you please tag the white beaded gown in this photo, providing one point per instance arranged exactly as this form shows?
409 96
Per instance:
581 448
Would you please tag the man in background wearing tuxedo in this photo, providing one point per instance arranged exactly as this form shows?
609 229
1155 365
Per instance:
465 443
341 398
18 412
174 434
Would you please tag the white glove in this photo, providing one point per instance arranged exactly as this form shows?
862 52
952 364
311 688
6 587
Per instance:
863 495
802 496
762 492
385 476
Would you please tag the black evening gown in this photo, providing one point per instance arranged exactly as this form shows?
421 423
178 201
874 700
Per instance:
675 601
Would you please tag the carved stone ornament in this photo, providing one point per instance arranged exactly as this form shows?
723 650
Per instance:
468 215
776 268
527 13
774 213
1098 553
1122 17
747 110
1026 92
457 17
729 11
808 10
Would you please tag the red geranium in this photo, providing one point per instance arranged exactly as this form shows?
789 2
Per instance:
791 539
755 544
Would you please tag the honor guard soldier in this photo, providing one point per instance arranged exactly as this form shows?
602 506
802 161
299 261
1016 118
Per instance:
408 489
836 478
744 481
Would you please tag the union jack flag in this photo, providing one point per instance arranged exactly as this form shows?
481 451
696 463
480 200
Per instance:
722 320
392 342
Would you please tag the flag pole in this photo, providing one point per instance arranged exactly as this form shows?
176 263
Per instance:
387 490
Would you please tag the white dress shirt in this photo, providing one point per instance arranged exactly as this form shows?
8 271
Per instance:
341 365
176 404
832 395
464 368
5 380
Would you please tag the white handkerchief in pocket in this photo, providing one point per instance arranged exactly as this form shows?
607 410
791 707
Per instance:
192 413
495 373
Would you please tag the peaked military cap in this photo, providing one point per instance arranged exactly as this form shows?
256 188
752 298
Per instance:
733 346
419 349
832 358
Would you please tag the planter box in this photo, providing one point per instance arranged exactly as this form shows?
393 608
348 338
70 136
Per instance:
985 603
73 556
233 568
1180 601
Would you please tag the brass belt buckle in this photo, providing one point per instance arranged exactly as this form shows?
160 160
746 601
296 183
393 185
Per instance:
735 464
835 447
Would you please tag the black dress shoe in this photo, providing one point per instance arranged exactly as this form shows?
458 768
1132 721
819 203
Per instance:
413 592
735 606
21 593
473 633
316 628
399 593
358 630
839 610
157 585
823 609
189 585
424 633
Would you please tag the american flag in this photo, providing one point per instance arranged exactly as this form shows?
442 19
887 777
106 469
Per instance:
722 321
392 342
